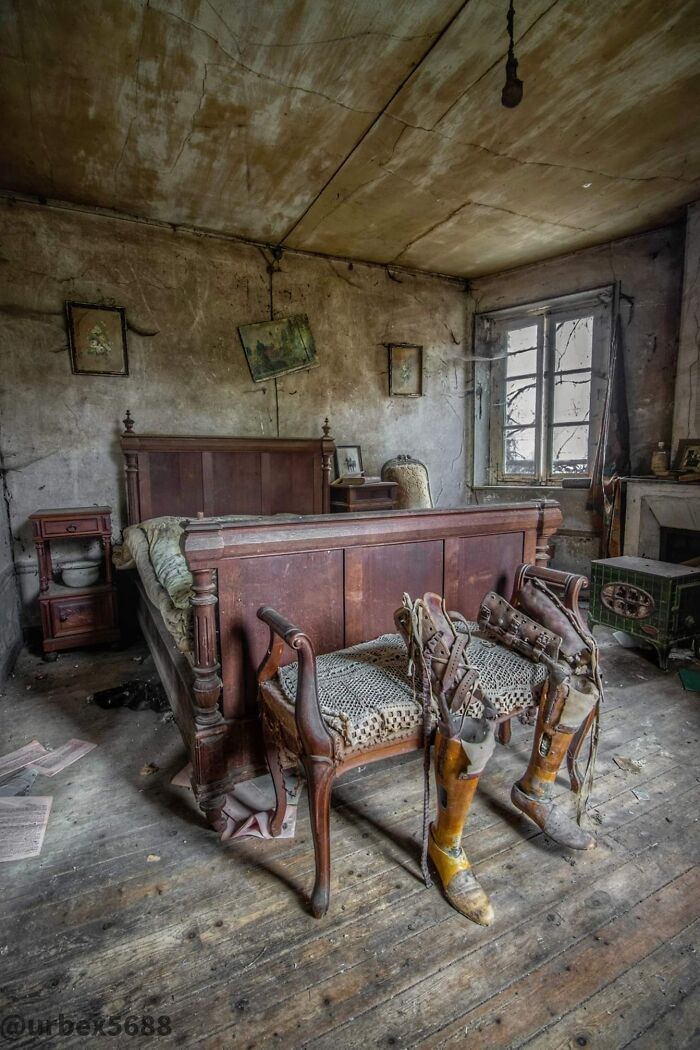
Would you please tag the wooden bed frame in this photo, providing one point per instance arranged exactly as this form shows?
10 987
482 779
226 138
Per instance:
186 476
341 576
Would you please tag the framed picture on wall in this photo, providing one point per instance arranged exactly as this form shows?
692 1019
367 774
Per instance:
97 339
275 348
405 370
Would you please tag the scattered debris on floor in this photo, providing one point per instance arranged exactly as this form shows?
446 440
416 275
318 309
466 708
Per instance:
643 796
249 806
627 764
55 761
23 824
149 769
19 783
21 757
23 819
183 778
138 695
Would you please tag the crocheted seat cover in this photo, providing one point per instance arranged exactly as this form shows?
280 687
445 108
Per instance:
368 698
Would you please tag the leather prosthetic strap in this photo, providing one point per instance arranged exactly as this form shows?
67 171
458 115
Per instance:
456 779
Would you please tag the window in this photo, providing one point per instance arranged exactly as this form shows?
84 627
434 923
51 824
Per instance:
545 363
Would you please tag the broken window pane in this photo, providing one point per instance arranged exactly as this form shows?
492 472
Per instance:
519 451
521 402
573 344
521 344
572 398
570 450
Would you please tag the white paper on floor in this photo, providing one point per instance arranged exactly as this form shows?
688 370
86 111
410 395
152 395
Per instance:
22 826
22 757
54 761
249 806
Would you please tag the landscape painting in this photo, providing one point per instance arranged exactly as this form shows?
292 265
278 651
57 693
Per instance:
274 348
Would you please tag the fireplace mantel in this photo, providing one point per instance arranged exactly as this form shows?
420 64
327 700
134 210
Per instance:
656 504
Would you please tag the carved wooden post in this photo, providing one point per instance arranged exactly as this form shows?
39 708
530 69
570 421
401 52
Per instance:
208 757
132 475
543 551
327 450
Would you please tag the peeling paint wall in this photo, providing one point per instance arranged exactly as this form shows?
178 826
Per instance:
649 267
185 295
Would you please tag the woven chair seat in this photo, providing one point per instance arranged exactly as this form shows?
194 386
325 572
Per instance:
368 699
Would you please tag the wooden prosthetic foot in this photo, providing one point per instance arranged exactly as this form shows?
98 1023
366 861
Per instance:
455 789
532 794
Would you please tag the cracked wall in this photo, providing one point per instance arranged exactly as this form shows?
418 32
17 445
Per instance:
185 295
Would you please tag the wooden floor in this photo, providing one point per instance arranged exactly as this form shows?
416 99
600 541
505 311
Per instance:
135 910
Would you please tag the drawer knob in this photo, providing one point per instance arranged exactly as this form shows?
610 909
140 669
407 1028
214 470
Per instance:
71 528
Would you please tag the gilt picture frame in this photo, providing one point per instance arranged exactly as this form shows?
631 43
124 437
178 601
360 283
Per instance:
97 339
405 370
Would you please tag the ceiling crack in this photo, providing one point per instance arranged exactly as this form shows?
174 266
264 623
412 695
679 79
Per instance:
490 207
540 163
190 133
264 76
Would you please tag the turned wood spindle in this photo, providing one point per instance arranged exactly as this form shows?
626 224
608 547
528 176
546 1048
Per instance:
207 684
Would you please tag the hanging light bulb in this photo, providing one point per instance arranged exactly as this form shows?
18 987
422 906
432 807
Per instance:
512 93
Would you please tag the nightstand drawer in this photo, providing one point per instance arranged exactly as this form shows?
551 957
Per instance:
86 612
71 527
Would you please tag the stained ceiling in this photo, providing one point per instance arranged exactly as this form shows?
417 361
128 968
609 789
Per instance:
371 129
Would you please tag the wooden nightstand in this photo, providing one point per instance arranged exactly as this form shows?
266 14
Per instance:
373 495
72 617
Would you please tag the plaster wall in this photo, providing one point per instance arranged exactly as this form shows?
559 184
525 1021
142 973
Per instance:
185 295
649 267
686 418
10 627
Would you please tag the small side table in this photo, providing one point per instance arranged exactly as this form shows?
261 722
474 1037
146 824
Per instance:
72 617
373 495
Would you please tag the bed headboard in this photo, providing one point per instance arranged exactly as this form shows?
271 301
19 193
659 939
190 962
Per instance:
168 474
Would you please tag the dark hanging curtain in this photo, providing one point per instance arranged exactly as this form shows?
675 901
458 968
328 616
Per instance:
612 458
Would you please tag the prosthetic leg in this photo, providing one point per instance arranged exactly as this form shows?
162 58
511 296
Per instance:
456 779
542 629
463 745
557 722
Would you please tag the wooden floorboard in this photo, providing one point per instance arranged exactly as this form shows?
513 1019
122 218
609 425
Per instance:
597 946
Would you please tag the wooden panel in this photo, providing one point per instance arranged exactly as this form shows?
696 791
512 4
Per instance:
282 582
176 483
290 483
376 578
232 483
475 565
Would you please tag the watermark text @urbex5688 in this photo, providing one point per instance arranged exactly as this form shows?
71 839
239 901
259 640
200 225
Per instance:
18 1026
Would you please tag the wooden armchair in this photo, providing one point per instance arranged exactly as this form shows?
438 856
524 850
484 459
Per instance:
301 724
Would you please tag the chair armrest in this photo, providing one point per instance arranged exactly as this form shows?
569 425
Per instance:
312 730
279 624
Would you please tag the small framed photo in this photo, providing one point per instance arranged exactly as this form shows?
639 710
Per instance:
348 460
405 370
97 339
688 455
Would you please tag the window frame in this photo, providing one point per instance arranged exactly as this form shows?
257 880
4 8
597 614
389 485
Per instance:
491 329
